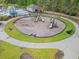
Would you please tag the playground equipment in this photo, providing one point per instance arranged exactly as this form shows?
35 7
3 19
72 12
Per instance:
53 24
12 11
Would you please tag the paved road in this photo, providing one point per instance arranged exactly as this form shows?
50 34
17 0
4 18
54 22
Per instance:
69 46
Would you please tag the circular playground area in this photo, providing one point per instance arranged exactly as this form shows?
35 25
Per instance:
52 37
39 28
29 27
35 30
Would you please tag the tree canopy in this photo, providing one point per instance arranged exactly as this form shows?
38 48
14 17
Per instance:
70 7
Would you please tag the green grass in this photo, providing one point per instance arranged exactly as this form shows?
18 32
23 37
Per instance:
15 33
8 51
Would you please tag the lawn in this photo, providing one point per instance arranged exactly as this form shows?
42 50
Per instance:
15 33
8 51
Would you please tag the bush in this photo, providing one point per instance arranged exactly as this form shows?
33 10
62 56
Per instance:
69 31
4 18
71 13
0 23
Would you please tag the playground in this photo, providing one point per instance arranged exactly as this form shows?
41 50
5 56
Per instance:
38 36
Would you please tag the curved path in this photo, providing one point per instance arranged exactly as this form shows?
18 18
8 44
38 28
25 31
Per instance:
69 46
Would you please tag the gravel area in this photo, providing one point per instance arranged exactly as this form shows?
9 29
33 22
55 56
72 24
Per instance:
39 29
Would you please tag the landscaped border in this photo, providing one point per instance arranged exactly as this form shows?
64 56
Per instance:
15 33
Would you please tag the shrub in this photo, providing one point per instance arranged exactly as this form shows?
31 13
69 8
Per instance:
69 31
4 18
0 23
